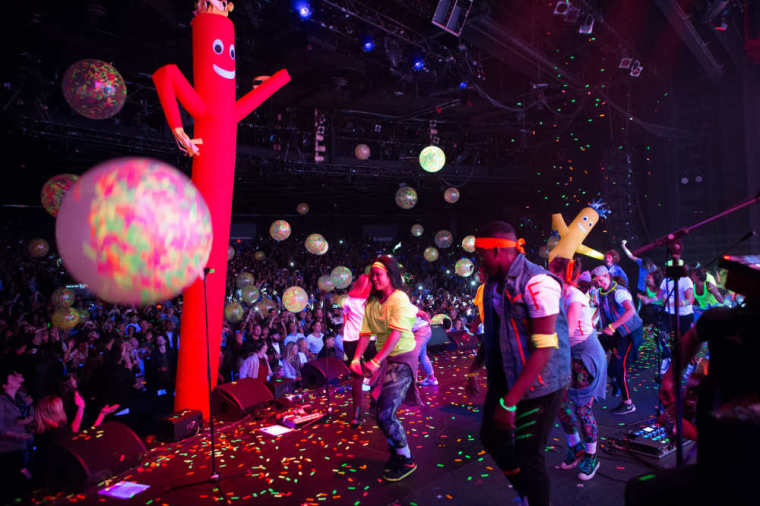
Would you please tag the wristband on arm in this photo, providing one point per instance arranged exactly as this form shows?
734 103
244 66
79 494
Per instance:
508 408
545 340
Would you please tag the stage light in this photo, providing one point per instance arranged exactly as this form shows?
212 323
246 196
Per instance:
419 64
588 25
368 45
303 9
463 85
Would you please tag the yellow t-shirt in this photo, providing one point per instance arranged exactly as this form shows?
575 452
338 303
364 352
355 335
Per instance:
478 300
396 313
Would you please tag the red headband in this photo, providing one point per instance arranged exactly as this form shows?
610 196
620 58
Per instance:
496 242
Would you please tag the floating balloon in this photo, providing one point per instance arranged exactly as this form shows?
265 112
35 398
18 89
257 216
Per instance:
264 305
302 208
341 277
417 230
38 248
361 151
53 191
432 159
339 299
325 283
316 244
464 267
230 253
244 280
439 320
451 195
135 230
250 294
468 243
62 297
295 299
94 89
233 312
259 255
406 197
65 318
430 254
444 239
279 230
84 314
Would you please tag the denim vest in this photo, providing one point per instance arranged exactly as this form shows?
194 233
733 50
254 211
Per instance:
612 311
511 340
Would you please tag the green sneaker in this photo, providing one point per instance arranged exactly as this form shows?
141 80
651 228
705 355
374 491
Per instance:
588 467
572 457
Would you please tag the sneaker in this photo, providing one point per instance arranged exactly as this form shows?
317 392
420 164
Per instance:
400 470
394 459
588 467
624 408
429 381
572 457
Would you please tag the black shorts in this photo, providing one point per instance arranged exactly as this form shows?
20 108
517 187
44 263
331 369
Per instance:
350 348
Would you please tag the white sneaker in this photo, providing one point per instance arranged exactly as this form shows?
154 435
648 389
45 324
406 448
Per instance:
429 381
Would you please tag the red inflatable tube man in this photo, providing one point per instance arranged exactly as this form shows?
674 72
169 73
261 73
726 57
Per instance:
212 104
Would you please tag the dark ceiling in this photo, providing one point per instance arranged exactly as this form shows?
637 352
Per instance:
540 99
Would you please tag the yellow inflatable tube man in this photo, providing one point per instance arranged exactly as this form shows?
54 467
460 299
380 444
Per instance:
572 236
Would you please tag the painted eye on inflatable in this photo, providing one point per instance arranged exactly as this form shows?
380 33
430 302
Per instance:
218 46
232 51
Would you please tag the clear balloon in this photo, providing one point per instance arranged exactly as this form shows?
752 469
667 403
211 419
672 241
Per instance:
250 294
325 283
468 243
279 230
417 230
94 89
233 312
135 230
440 320
432 159
295 299
53 191
65 318
341 277
259 255
406 197
451 195
361 151
62 297
430 254
444 239
244 280
38 248
230 253
464 267
302 208
316 244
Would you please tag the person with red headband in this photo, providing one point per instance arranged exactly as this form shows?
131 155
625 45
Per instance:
527 356
353 315
389 316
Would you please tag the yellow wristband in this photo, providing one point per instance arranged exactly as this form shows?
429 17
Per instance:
473 374
375 363
545 340
610 327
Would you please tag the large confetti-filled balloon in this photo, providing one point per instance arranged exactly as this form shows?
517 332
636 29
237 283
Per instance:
468 243
53 191
84 314
65 318
279 230
230 253
62 297
316 244
451 195
417 230
440 320
430 254
233 312
341 277
244 280
432 159
38 248
302 208
295 299
325 283
361 151
135 230
464 267
94 89
250 294
406 197
264 305
444 239
259 255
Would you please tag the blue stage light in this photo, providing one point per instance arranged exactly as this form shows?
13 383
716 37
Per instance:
303 9
368 45
462 85
419 64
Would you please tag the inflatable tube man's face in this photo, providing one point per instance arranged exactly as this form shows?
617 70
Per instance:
214 59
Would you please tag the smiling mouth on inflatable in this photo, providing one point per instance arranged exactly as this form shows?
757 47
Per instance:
580 226
227 74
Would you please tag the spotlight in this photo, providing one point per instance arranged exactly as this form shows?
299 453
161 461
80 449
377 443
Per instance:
303 9
418 64
588 25
368 45
463 85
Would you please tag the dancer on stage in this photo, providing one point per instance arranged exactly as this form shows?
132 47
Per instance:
527 356
623 332
389 316
353 314
589 374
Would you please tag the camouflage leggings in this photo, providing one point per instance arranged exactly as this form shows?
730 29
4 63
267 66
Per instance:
398 379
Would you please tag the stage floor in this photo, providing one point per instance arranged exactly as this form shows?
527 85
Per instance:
335 464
